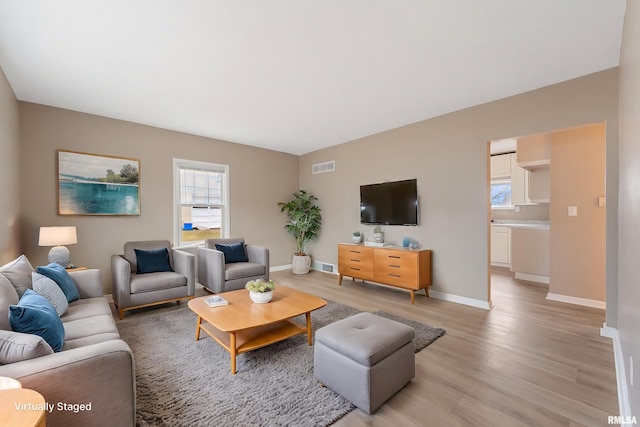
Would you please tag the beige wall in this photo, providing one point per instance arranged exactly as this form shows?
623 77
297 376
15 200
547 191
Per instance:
448 156
9 165
258 180
577 243
629 286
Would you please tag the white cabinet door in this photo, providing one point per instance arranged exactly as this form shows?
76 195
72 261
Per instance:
501 166
500 245
519 185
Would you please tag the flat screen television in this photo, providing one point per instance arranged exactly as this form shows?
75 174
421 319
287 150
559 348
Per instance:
389 203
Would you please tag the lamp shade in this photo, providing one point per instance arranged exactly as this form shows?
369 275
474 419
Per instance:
57 236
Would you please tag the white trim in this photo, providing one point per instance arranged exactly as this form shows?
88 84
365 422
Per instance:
485 305
621 376
280 267
532 277
608 331
226 225
500 264
578 301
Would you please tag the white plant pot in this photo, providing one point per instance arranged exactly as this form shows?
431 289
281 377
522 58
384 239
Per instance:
261 297
301 264
357 239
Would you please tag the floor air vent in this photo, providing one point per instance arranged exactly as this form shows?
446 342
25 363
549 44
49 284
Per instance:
323 167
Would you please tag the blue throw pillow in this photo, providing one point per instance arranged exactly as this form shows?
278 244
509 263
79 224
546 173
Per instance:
58 274
153 261
35 315
233 252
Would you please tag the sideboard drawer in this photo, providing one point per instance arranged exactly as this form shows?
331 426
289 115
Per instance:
355 261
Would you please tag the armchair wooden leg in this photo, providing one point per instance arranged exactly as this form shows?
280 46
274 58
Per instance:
121 314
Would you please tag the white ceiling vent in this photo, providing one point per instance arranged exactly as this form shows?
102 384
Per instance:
323 167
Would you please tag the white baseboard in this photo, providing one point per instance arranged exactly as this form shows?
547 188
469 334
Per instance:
578 301
280 267
485 305
532 278
500 264
621 376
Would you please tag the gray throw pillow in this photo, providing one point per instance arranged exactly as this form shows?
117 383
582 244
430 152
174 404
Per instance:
16 347
18 272
8 296
51 291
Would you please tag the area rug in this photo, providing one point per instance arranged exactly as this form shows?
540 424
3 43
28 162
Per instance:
181 382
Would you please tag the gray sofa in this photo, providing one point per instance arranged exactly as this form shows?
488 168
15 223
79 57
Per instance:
95 366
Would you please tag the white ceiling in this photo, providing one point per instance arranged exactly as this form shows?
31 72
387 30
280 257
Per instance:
297 75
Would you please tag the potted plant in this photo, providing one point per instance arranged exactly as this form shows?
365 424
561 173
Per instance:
260 291
357 237
304 223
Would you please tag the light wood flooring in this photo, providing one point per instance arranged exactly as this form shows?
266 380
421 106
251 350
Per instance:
527 362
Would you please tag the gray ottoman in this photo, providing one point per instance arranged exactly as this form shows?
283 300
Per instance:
365 358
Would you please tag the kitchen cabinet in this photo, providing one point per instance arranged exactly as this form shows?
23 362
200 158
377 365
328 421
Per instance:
530 254
540 185
500 245
501 166
519 185
534 152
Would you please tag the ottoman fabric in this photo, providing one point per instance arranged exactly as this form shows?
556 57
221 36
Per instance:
365 337
365 358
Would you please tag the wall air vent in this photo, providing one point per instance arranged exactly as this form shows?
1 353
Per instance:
323 167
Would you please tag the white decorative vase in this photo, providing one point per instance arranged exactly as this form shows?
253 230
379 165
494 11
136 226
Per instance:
261 297
357 239
301 264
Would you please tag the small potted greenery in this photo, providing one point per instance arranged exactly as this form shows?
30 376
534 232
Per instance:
260 292
357 237
304 223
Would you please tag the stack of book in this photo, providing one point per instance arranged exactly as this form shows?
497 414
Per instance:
216 301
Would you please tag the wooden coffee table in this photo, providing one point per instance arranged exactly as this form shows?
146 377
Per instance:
244 325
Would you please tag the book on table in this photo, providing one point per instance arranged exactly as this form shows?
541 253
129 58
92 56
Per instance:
216 301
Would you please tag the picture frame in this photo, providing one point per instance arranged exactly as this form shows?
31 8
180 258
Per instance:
94 184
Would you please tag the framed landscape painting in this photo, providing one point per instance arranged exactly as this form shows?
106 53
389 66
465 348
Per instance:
91 184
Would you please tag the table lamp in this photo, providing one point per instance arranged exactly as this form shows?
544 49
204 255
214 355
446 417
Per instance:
7 383
58 237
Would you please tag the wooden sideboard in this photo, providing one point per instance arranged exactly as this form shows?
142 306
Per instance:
403 268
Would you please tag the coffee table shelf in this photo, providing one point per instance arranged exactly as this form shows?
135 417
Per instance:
251 339
243 325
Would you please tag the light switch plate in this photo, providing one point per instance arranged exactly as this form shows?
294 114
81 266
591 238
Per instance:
573 211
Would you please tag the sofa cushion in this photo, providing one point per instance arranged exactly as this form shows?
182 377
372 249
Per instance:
245 269
233 252
152 261
86 307
58 274
34 315
16 347
89 326
156 281
8 296
51 291
18 272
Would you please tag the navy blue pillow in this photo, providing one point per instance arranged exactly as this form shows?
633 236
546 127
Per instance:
153 261
58 274
233 252
34 314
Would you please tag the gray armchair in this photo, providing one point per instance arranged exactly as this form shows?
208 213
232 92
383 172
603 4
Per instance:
217 275
136 288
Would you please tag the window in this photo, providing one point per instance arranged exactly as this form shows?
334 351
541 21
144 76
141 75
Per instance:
201 201
501 194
